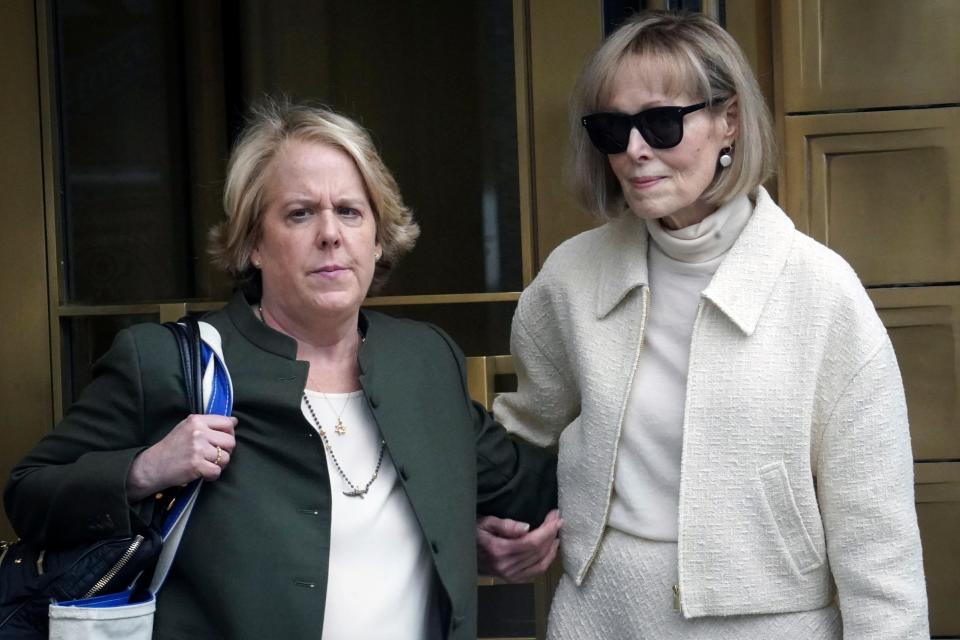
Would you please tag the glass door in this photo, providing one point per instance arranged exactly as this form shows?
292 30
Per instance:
146 99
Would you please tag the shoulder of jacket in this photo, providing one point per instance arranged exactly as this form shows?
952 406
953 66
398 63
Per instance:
836 280
142 350
220 320
579 250
817 273
406 332
831 295
571 267
384 322
147 335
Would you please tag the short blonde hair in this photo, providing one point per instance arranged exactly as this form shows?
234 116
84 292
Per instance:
699 58
271 123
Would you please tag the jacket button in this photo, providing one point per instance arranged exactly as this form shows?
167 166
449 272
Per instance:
403 472
374 402
435 546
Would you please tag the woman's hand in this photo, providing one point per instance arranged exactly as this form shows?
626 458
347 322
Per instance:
199 447
509 550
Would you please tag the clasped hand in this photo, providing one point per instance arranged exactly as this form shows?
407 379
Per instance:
200 446
510 550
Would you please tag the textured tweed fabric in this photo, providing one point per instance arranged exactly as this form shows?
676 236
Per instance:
628 596
796 471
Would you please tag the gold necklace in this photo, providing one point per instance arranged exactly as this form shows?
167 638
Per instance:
355 491
339 428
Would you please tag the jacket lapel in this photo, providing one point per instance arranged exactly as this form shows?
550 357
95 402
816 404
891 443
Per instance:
748 275
623 266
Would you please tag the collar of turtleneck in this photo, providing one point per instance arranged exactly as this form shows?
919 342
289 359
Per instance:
709 239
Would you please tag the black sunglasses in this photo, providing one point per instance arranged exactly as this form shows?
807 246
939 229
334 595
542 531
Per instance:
661 127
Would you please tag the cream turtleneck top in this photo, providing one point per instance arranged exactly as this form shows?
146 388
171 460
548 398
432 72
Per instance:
646 489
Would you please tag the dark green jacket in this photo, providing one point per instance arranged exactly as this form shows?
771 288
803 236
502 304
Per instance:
253 562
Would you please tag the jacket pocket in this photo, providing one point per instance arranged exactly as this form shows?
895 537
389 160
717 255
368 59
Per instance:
786 515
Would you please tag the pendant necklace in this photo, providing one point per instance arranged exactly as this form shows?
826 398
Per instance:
355 491
339 428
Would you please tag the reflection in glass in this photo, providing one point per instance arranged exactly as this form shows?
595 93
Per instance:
124 211
148 89
436 88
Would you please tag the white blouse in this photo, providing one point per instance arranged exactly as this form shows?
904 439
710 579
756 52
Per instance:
381 583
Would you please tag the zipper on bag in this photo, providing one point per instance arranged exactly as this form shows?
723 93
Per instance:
116 568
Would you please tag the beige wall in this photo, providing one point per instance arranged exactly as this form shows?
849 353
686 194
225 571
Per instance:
25 386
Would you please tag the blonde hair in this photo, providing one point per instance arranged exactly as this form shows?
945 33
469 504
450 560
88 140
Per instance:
271 123
697 57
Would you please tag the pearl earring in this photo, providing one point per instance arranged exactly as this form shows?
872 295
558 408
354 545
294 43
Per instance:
725 158
376 257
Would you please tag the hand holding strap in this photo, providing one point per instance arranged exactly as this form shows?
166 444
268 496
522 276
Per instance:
207 381
209 390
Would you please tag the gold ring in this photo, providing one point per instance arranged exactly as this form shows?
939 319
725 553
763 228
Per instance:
216 460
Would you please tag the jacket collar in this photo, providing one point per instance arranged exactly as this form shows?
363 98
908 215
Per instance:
742 284
623 261
240 312
748 275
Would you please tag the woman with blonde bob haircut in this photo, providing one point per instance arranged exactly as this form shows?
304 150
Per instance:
697 57
341 496
734 454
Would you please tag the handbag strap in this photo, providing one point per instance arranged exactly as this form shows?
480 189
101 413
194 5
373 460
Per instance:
187 334
209 390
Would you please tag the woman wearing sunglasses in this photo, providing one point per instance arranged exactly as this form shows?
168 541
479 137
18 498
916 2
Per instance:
734 451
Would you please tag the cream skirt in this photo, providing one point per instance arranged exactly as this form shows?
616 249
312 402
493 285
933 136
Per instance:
628 594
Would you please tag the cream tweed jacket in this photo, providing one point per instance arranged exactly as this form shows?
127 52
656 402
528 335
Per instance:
796 473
